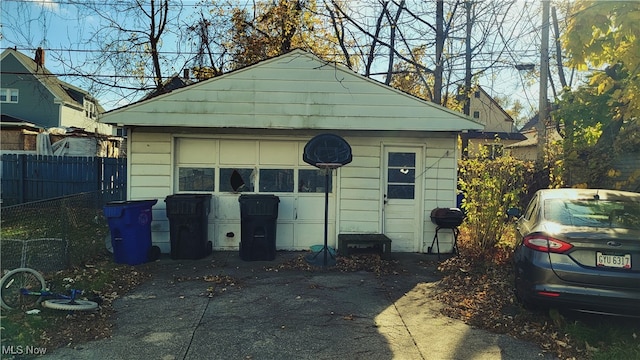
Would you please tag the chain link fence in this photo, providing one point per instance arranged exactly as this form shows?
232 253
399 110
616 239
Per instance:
54 234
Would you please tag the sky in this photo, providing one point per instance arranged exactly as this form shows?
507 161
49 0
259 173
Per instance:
56 26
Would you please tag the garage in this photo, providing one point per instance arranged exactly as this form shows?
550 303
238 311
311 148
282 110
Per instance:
244 133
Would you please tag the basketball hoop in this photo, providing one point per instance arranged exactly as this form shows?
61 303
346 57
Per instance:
327 165
328 152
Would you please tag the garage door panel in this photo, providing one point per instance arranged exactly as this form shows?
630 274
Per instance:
278 153
284 236
312 208
238 152
307 235
220 238
196 151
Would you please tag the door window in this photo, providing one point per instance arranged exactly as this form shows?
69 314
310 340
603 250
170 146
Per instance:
401 175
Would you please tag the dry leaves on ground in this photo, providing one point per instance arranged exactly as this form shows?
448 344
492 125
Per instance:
68 329
480 294
472 291
360 262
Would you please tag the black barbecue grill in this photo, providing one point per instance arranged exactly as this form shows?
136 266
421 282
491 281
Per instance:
446 218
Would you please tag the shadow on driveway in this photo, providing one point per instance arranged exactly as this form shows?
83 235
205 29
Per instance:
222 307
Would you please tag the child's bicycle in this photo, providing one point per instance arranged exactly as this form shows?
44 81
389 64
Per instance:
25 288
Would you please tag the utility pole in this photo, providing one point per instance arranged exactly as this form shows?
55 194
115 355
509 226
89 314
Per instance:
544 76
467 77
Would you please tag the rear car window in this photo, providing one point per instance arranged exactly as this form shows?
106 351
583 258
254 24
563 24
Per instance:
593 213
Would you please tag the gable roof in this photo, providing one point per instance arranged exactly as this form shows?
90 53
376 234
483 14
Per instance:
531 124
61 90
494 103
296 90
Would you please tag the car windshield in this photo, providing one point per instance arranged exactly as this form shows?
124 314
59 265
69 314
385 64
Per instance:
593 213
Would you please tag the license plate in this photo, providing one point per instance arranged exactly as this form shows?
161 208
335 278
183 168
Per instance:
615 261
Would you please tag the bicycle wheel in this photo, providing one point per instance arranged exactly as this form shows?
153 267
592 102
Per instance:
11 296
71 305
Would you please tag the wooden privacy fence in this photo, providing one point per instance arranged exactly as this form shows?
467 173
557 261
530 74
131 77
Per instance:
27 178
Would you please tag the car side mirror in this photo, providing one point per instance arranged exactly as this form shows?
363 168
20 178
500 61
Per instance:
514 212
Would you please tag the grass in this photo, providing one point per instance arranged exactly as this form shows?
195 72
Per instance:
612 338
89 278
21 330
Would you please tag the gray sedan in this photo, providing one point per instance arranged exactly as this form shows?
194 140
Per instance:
579 249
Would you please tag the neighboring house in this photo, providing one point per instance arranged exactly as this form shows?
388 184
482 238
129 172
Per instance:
528 148
33 94
499 128
256 121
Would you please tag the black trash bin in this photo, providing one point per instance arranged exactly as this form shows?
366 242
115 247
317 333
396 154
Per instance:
259 214
188 216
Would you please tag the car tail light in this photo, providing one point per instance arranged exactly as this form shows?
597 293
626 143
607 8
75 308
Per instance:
541 242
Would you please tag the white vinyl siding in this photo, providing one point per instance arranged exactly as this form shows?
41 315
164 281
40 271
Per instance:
300 221
360 188
149 169
261 117
441 177
295 91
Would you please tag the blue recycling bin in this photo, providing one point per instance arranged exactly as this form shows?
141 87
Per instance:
130 226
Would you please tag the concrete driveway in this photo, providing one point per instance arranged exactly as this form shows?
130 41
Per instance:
271 313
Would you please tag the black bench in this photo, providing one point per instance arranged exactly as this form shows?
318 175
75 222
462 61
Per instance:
379 242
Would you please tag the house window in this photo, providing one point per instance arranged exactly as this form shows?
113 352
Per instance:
476 94
122 132
89 109
494 151
196 179
236 180
476 114
313 181
9 95
276 180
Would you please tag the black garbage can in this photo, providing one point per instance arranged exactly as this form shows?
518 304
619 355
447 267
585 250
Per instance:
188 216
259 214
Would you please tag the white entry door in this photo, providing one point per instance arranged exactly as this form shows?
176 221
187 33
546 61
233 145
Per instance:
402 216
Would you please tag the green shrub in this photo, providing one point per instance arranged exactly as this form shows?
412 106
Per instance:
490 187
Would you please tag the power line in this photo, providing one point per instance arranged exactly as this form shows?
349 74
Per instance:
189 53
50 74
106 3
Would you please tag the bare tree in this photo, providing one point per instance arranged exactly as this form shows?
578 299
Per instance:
131 30
433 48
456 41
